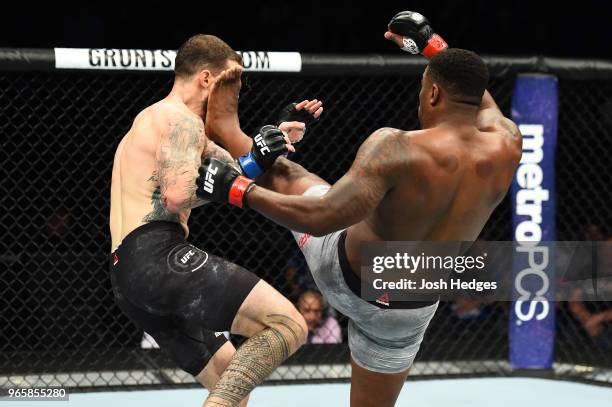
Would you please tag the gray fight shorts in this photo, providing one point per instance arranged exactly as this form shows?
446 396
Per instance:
380 340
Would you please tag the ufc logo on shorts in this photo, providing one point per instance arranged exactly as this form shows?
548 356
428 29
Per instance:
187 256
263 148
208 180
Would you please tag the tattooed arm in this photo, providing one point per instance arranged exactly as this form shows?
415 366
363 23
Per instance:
178 159
181 151
374 172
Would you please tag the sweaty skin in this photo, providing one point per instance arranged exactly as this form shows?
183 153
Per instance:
155 166
157 161
154 172
439 183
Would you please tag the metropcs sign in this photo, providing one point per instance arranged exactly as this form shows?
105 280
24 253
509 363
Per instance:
528 232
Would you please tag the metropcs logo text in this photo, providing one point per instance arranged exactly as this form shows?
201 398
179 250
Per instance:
528 233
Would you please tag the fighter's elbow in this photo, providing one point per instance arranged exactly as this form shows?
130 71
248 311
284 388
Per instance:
319 222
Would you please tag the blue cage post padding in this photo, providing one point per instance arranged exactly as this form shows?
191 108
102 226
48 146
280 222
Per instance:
532 315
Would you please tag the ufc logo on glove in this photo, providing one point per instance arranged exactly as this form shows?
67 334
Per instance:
208 180
262 144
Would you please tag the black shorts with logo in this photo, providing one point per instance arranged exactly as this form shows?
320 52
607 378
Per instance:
180 295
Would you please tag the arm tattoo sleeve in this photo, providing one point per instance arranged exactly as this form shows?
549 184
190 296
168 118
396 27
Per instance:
177 167
211 150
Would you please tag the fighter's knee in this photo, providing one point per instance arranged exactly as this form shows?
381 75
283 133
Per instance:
299 326
292 325
302 328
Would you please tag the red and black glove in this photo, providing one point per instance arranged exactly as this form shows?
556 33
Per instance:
419 37
220 182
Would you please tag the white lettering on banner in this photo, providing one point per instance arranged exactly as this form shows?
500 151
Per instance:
528 233
163 60
271 61
115 59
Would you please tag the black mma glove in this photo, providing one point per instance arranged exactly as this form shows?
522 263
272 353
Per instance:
268 145
290 114
219 182
419 37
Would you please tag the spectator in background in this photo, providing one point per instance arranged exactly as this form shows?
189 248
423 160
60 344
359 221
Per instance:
593 232
297 275
595 317
322 328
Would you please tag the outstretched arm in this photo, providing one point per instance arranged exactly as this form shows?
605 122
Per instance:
412 33
373 173
490 118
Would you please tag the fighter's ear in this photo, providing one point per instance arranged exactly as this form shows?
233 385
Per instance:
205 78
434 96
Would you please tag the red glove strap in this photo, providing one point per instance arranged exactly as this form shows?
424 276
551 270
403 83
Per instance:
434 45
239 187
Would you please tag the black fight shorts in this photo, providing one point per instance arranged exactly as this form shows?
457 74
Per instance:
180 295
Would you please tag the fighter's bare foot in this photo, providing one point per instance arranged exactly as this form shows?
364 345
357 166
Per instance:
222 109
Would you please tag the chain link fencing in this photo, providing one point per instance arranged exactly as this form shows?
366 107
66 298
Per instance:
59 323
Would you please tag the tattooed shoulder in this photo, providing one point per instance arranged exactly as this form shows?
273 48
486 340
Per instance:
212 150
381 153
186 130
179 155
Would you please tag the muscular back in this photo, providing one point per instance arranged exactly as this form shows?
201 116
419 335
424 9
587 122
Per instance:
154 167
441 183
448 186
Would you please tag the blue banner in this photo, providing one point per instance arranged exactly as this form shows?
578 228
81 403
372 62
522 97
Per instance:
532 314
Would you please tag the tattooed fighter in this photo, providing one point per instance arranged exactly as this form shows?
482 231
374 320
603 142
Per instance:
179 294
438 183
